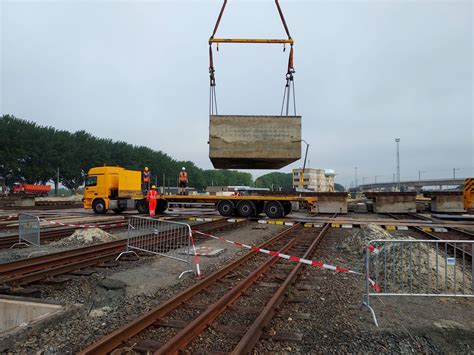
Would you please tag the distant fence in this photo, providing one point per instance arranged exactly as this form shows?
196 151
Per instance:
28 230
169 239
410 267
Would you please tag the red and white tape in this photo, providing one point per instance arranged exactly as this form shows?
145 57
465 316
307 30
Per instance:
292 258
196 258
86 225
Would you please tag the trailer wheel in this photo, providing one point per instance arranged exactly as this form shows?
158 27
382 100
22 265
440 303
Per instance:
225 208
99 206
287 208
161 206
246 208
274 209
142 207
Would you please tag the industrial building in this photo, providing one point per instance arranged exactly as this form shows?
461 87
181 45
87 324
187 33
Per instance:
319 180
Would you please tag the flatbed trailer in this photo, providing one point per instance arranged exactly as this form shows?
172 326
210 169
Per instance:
242 206
118 189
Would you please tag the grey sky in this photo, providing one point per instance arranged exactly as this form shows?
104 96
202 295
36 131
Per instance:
366 72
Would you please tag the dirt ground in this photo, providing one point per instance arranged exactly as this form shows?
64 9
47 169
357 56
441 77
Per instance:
339 322
162 272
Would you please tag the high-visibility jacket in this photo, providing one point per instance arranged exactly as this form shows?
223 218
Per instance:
146 176
183 176
152 195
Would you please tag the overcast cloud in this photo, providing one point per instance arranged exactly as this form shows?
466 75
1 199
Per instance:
366 72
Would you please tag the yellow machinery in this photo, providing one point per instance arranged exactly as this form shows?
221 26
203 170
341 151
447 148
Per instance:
468 195
115 188
118 189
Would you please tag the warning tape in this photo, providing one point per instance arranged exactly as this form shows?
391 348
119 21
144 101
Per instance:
12 216
196 258
292 258
86 225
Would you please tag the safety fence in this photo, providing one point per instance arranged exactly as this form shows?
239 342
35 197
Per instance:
28 230
166 238
409 267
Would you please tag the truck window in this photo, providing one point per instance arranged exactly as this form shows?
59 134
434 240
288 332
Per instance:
91 181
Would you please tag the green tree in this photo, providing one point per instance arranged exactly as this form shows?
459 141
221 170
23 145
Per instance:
275 180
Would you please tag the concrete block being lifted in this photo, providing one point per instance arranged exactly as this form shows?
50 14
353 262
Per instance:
254 142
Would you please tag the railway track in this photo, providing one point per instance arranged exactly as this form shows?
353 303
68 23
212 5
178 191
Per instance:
217 307
452 234
51 235
27 271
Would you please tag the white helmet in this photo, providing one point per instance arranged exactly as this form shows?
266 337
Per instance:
183 168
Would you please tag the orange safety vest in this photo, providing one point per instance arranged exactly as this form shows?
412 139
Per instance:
183 176
146 176
152 195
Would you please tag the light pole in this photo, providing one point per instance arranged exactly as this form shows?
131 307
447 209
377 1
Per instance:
454 173
304 163
419 174
397 140
355 173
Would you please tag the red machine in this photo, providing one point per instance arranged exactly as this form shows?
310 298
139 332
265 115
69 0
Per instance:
29 189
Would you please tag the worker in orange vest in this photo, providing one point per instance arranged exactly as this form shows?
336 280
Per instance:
151 197
146 179
183 181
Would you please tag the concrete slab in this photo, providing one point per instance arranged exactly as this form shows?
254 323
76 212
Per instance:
19 316
254 142
446 201
330 202
393 202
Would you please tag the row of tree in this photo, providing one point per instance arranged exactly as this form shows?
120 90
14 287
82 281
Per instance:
30 153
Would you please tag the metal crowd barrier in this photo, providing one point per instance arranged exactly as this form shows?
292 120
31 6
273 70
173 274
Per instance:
409 267
169 239
28 230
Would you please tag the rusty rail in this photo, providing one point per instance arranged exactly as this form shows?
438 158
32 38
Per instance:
121 335
186 335
25 271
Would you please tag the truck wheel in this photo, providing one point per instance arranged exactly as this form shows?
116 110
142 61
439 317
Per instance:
246 208
161 206
287 208
225 208
118 210
142 207
274 209
99 206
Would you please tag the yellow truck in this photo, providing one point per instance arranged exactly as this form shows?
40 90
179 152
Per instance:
115 188
118 189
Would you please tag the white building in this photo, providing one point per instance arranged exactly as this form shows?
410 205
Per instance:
319 180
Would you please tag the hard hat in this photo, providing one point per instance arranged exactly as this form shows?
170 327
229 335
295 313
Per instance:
183 168
153 186
146 168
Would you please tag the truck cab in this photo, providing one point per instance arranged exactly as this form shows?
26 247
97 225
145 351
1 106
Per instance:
115 188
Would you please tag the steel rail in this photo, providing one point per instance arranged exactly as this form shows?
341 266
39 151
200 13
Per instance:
186 335
253 334
121 335
432 236
30 270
